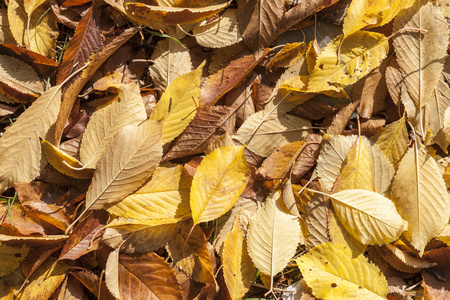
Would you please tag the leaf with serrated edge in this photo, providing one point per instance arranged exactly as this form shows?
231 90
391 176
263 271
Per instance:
332 273
105 122
20 76
178 105
360 53
266 131
140 236
403 261
64 163
370 217
218 182
420 55
273 236
332 155
150 275
112 273
170 60
129 159
370 13
219 33
383 171
393 141
166 195
238 269
21 157
421 196
356 171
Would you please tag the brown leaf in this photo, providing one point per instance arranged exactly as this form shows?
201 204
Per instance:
147 276
23 224
85 237
219 83
36 258
84 42
91 282
307 158
205 126
436 281
259 21
341 119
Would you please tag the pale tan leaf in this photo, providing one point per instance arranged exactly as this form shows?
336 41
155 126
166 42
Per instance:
273 236
18 75
140 236
332 154
112 273
222 32
170 60
393 141
438 103
21 158
127 109
368 216
129 159
165 196
332 273
421 196
266 131
383 171
37 31
421 55
403 261
5 33
238 268
393 80
316 221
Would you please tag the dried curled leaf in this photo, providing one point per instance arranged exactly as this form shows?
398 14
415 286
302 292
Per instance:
332 273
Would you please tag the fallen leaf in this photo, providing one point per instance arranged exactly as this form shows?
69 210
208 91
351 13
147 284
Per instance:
332 273
11 257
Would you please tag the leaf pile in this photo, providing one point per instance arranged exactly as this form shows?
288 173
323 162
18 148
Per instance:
185 149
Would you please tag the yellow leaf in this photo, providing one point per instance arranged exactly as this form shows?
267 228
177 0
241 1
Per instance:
166 195
129 159
273 236
360 53
296 83
421 55
11 257
218 182
356 170
178 105
445 235
332 273
127 109
36 29
21 157
222 32
368 216
56 158
45 280
238 269
288 55
372 13
393 141
421 196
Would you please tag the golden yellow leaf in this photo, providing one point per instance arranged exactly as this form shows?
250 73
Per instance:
368 216
296 83
11 257
128 108
178 105
238 268
445 235
64 163
372 13
360 53
218 182
166 195
45 280
21 157
356 171
421 55
421 196
33 26
170 60
222 32
273 236
288 55
129 159
332 273
5 33
393 141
